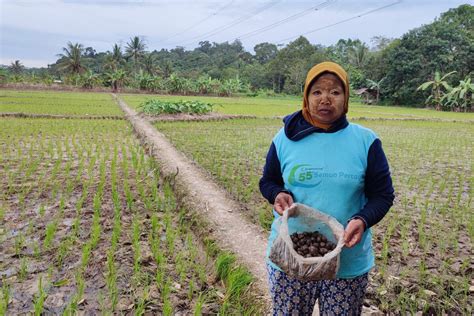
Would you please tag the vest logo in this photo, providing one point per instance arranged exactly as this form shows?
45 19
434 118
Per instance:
303 175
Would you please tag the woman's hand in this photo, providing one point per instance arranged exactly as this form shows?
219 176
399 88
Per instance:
282 201
353 232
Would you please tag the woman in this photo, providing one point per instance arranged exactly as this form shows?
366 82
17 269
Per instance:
321 160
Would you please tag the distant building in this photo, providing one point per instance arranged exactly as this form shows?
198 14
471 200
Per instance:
367 95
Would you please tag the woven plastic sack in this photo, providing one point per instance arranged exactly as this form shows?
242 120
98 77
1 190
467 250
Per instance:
302 218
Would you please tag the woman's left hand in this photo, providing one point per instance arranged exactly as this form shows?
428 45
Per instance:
353 232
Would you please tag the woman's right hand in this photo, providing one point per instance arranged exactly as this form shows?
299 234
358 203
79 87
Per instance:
282 201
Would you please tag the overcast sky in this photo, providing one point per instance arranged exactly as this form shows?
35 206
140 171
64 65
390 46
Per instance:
34 31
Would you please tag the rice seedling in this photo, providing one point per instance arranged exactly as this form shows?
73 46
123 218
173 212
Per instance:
23 269
39 298
49 234
165 293
199 304
224 263
111 279
432 183
65 103
4 298
136 245
75 205
237 281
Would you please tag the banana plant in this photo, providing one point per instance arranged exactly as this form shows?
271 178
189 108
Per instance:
436 85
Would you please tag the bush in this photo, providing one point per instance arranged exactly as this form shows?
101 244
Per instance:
154 106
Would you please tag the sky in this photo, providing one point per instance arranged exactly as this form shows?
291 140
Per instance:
35 31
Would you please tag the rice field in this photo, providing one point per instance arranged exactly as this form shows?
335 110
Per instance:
58 103
88 225
423 246
281 106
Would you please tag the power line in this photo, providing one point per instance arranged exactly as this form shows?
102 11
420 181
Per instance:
287 19
340 22
201 21
233 23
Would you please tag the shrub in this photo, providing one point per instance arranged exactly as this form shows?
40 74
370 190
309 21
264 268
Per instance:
154 106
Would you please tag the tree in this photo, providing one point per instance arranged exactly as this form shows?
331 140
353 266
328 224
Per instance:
16 67
135 50
3 75
291 60
380 42
265 52
116 79
436 85
149 64
296 76
445 45
358 54
89 79
90 52
115 59
72 60
205 47
166 68
376 85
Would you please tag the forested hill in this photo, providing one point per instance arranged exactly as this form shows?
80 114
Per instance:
394 67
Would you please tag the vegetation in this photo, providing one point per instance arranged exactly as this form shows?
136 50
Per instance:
86 217
283 105
155 106
53 103
226 69
443 46
416 270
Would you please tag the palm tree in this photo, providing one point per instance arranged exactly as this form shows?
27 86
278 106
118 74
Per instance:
149 64
436 84
115 59
135 50
358 54
166 68
16 67
376 85
72 59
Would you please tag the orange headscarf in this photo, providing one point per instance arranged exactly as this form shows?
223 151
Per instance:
312 75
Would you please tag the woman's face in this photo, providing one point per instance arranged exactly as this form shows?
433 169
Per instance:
326 98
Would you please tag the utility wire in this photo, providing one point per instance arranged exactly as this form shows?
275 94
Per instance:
201 21
342 21
233 23
287 19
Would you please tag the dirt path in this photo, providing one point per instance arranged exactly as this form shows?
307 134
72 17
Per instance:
233 232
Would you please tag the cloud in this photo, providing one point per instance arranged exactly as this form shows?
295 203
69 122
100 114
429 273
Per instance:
38 29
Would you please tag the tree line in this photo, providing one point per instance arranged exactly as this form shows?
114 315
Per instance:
397 71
